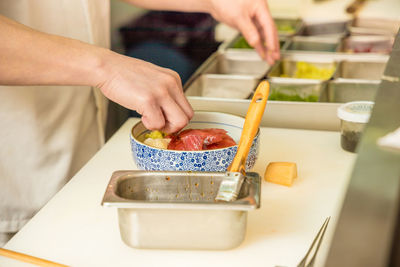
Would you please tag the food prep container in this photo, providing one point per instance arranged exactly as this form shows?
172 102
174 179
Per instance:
300 90
345 90
288 26
368 44
237 62
325 28
239 43
317 44
304 67
373 26
368 69
353 118
176 210
222 86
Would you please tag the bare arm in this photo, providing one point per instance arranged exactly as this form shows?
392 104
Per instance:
29 57
251 17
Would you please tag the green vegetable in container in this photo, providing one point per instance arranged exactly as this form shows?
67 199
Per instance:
241 43
285 28
279 96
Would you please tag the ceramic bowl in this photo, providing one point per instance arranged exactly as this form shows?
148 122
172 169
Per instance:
214 160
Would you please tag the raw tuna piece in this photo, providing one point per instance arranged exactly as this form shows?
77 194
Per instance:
200 139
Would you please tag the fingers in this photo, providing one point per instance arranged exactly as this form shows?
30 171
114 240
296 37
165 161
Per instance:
152 116
258 27
165 107
175 117
251 34
268 29
177 94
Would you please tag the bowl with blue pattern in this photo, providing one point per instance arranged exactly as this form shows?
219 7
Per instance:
213 160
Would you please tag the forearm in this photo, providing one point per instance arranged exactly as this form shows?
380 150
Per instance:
174 5
29 57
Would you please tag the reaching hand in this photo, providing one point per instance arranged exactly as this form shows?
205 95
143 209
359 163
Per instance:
253 19
154 92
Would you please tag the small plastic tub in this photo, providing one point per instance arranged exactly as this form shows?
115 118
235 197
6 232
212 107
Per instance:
354 116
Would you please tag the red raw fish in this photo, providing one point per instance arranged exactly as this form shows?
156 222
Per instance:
200 139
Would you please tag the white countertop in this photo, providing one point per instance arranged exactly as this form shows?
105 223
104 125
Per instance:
74 229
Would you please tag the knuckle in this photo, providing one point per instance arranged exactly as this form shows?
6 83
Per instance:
162 92
154 124
253 40
182 122
147 99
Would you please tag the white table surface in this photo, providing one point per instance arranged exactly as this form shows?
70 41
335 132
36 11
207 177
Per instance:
74 229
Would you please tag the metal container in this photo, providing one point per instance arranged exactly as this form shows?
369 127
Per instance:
304 67
299 90
176 210
313 43
288 27
366 69
238 43
346 90
222 86
238 62
328 28
368 44
373 26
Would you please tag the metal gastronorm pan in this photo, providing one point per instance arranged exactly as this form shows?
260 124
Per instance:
346 90
223 86
176 210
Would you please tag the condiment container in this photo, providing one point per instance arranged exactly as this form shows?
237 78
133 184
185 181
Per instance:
354 116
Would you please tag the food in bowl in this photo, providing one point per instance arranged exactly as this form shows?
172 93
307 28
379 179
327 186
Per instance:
191 139
147 157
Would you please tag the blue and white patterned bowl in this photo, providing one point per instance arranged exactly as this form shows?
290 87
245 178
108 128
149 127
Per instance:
214 160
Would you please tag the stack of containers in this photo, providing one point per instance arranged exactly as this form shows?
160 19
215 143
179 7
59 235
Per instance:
317 72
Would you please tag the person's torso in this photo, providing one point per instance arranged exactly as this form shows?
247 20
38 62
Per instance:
48 132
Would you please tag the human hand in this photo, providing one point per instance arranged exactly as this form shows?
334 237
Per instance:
154 92
254 21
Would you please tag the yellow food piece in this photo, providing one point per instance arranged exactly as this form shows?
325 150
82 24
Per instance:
281 173
155 135
157 143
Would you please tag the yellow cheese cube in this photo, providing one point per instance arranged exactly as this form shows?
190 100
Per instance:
281 173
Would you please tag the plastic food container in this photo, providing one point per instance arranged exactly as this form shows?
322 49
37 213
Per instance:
354 116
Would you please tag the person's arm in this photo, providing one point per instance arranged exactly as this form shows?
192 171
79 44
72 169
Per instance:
251 17
29 57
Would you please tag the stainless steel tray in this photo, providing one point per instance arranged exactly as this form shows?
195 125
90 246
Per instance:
365 69
346 90
313 44
282 24
278 114
225 86
288 66
368 44
238 43
327 28
244 62
176 210
371 26
300 90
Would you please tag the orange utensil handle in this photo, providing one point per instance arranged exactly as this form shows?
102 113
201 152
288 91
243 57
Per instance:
250 127
28 258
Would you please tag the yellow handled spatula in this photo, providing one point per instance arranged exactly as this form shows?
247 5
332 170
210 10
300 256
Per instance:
230 187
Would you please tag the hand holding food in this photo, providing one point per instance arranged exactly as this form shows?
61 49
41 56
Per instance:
254 21
154 92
